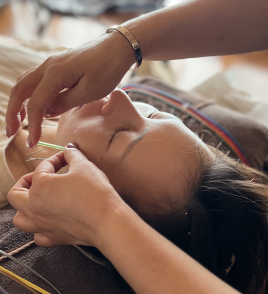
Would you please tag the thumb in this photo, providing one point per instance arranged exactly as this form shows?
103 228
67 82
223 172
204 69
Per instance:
64 100
78 162
74 157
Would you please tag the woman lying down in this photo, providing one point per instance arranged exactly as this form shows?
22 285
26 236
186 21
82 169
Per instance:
206 203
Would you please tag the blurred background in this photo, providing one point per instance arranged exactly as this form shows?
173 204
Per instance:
68 23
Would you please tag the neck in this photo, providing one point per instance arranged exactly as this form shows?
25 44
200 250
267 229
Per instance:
21 159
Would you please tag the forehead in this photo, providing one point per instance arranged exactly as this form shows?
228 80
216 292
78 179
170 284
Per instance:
162 161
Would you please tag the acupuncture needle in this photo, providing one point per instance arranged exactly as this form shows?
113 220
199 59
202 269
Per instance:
50 145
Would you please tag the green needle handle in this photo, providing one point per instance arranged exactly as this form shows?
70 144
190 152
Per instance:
50 145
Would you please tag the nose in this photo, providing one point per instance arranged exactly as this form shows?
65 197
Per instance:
119 104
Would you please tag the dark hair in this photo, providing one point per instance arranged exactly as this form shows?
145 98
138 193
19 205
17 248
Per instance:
224 223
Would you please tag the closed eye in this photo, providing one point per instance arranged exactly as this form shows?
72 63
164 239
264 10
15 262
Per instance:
120 129
117 130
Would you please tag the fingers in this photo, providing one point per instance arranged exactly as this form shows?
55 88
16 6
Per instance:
55 80
42 240
41 98
22 222
51 165
18 196
77 161
23 112
19 199
20 92
74 157
22 185
31 69
82 92
65 100
24 182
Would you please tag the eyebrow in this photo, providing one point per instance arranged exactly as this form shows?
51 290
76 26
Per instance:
137 140
133 144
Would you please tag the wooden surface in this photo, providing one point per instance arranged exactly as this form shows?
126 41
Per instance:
27 21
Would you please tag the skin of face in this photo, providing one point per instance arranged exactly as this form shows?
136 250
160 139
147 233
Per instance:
145 153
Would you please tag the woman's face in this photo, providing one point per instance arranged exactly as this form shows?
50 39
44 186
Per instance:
144 152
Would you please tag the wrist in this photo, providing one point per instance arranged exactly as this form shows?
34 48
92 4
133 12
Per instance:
132 42
123 54
116 214
140 29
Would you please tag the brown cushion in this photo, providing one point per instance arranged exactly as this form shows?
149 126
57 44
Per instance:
64 266
252 136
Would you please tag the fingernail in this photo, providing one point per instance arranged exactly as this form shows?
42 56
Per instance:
49 112
29 142
7 132
71 145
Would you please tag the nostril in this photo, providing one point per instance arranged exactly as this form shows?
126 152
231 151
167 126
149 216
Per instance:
107 98
105 110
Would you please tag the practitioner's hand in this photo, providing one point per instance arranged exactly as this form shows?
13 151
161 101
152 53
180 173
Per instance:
64 208
89 72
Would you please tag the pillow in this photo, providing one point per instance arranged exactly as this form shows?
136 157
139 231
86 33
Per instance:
250 135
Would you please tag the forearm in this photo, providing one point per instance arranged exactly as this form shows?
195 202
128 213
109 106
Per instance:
149 262
202 28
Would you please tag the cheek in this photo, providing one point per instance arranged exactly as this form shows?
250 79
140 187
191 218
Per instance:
90 135
64 131
89 140
72 133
